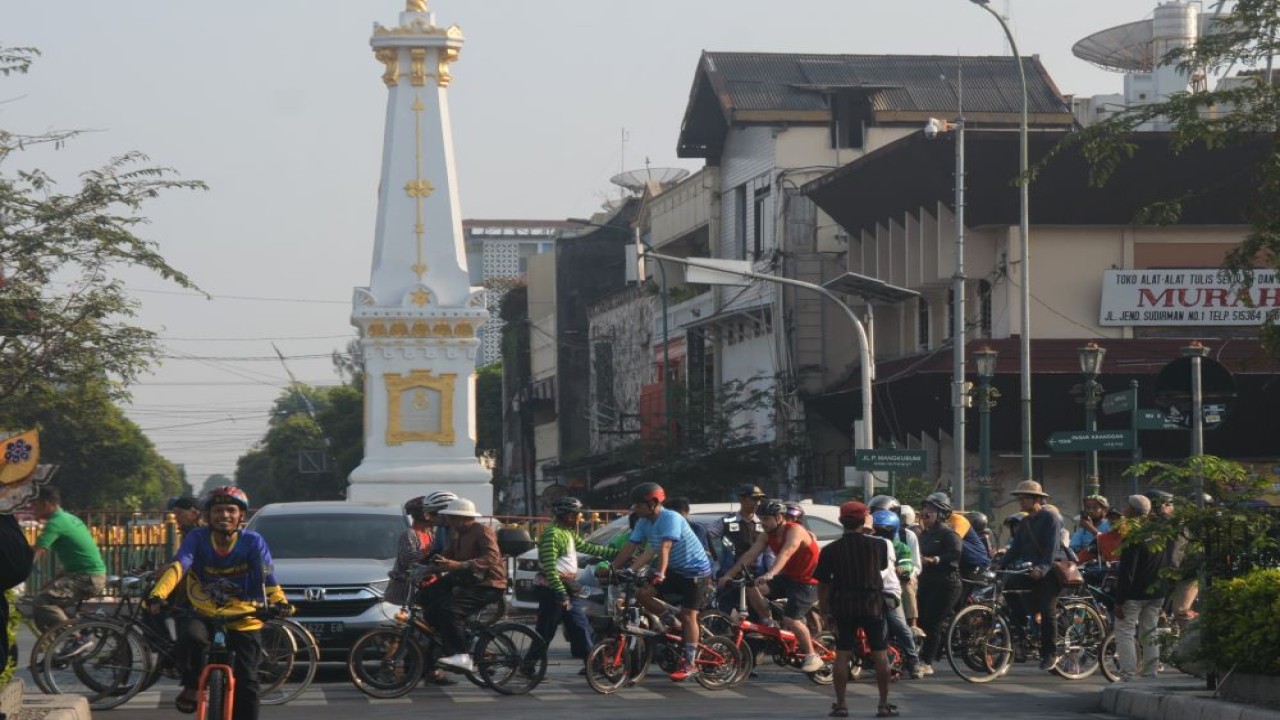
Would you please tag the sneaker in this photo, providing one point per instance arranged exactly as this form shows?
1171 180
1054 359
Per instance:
925 669
75 646
461 661
812 663
915 673
682 672
1049 663
918 633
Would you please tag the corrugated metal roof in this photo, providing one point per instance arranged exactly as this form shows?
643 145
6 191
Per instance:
908 83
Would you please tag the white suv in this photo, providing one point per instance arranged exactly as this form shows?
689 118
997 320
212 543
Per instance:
332 559
822 520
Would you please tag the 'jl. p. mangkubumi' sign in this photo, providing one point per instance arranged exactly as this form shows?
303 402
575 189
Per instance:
1209 296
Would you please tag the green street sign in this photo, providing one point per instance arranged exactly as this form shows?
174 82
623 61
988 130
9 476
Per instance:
1152 419
1084 440
1118 402
891 460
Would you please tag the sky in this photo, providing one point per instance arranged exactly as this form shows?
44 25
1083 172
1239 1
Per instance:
278 105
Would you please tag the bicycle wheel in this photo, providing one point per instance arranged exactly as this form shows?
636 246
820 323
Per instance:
291 656
825 645
385 663
511 658
979 645
1109 659
717 662
1081 634
608 665
99 660
714 622
641 651
215 695
36 660
746 660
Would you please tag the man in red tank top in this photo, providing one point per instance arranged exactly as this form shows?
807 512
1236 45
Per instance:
795 553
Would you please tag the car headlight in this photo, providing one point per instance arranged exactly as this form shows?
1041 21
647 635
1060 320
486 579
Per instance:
528 565
380 586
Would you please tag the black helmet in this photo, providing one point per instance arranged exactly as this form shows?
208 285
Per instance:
565 506
941 501
978 521
1158 497
644 492
772 508
1199 498
413 506
884 502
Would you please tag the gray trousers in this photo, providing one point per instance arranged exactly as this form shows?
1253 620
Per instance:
51 605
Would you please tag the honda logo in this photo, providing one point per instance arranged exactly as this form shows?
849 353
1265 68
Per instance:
313 594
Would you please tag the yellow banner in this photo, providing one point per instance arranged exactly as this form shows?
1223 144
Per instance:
21 455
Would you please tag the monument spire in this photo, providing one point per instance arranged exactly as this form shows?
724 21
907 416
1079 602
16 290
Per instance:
419 315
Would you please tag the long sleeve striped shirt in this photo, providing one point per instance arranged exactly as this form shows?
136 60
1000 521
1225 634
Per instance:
558 549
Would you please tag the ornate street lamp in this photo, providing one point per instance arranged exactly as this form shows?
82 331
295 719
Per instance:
985 361
1091 365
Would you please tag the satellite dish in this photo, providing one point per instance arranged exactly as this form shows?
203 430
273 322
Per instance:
637 180
1123 48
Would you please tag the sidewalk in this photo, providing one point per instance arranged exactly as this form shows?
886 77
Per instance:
17 704
1176 698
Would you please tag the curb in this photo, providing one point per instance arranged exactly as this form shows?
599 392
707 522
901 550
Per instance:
1176 703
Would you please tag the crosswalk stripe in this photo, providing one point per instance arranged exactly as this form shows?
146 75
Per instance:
793 690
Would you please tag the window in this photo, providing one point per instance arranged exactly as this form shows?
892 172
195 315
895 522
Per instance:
739 249
850 114
922 323
760 223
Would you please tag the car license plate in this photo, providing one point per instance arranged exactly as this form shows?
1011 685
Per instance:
324 629
524 584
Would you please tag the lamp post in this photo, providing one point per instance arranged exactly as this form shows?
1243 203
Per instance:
1196 351
985 361
1024 225
1091 365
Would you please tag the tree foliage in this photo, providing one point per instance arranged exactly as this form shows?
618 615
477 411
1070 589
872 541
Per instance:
489 414
65 321
104 459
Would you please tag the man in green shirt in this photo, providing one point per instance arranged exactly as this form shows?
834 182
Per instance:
558 549
83 573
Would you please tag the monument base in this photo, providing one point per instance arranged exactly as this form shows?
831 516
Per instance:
392 483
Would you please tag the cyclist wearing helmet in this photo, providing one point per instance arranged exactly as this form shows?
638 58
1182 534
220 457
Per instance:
909 532
682 568
790 575
415 544
940 549
559 590
432 504
885 524
226 571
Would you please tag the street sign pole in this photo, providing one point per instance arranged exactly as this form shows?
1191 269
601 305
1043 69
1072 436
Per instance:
1133 423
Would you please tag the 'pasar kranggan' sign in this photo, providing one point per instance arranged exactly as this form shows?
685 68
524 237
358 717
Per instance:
1208 296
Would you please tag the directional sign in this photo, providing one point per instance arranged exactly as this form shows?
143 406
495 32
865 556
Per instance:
891 460
1084 440
1118 402
1152 419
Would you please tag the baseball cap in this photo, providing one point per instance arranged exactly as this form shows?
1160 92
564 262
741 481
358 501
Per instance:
750 490
853 510
185 502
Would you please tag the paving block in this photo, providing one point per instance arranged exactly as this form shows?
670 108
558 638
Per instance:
11 697
58 707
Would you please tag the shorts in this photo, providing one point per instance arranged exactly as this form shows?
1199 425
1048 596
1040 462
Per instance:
689 593
874 625
800 596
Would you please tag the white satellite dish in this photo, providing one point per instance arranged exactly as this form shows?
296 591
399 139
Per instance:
637 180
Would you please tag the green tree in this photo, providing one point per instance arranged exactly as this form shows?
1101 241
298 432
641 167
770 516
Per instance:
65 321
104 459
489 414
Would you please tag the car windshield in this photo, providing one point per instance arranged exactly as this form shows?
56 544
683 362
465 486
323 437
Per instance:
330 536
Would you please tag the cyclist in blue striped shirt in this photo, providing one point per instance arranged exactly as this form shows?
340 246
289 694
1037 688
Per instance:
683 568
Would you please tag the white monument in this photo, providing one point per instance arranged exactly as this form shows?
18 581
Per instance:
418 317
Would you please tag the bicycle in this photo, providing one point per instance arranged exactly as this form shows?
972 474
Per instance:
622 658
983 639
215 691
389 662
109 677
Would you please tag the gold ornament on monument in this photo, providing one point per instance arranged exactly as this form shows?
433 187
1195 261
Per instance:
416 6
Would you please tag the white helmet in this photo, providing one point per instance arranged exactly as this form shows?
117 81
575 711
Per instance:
437 501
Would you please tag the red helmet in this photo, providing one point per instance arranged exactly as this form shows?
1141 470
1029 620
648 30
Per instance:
227 494
644 492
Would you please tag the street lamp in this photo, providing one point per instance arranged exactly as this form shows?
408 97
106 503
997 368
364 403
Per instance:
1197 352
985 361
1091 365
1024 223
